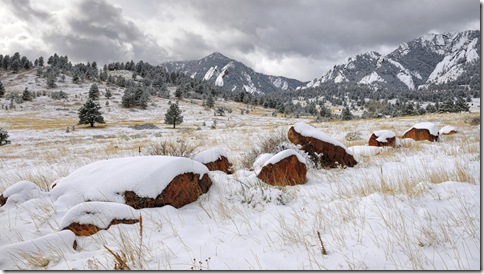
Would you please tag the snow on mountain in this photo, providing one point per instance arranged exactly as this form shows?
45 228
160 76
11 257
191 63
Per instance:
373 77
230 74
432 58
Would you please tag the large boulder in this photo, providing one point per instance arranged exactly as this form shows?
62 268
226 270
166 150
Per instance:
86 219
285 168
323 149
382 138
143 181
423 131
214 159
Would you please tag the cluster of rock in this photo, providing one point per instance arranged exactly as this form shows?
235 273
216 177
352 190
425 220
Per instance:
425 131
125 184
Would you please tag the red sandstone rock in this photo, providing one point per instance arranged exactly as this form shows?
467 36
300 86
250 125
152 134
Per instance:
90 229
382 138
326 153
420 135
285 168
182 190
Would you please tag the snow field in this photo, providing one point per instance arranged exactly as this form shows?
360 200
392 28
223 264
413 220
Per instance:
409 208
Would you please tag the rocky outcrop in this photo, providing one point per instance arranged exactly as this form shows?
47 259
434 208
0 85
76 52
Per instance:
182 190
382 138
423 132
283 169
324 150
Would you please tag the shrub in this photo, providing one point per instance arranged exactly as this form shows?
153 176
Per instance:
178 148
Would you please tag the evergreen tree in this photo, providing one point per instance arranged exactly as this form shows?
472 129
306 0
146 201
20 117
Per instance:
135 96
51 80
3 137
173 115
210 101
346 114
108 94
89 113
94 92
27 95
2 90
324 111
15 66
179 93
430 108
447 106
461 105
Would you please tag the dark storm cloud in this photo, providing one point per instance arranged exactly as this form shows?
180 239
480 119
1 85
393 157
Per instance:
98 31
24 11
314 28
311 35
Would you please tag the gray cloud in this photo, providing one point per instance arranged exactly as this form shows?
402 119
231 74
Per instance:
264 34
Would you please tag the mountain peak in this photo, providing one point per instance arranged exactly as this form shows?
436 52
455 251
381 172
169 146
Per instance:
431 58
216 55
231 74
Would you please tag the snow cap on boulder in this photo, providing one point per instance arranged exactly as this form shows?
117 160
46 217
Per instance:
423 131
447 130
88 218
382 138
142 176
214 159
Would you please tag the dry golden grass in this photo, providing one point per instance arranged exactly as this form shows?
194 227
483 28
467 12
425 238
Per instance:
36 122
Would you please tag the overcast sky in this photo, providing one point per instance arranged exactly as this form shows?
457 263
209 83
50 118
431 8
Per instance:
297 39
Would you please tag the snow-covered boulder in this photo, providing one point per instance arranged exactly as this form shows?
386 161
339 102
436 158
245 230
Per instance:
285 168
423 131
19 193
448 130
142 181
382 138
88 218
326 151
214 159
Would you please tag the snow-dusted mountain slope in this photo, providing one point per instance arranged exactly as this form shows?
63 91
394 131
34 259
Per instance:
432 58
231 75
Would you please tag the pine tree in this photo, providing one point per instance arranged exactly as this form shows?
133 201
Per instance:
27 95
447 106
41 61
461 105
210 101
346 114
173 115
3 137
89 113
108 94
2 90
94 92
51 80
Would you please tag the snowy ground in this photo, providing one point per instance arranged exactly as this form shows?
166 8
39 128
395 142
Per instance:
413 207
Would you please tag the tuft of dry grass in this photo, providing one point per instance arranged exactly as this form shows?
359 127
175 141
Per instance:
180 148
